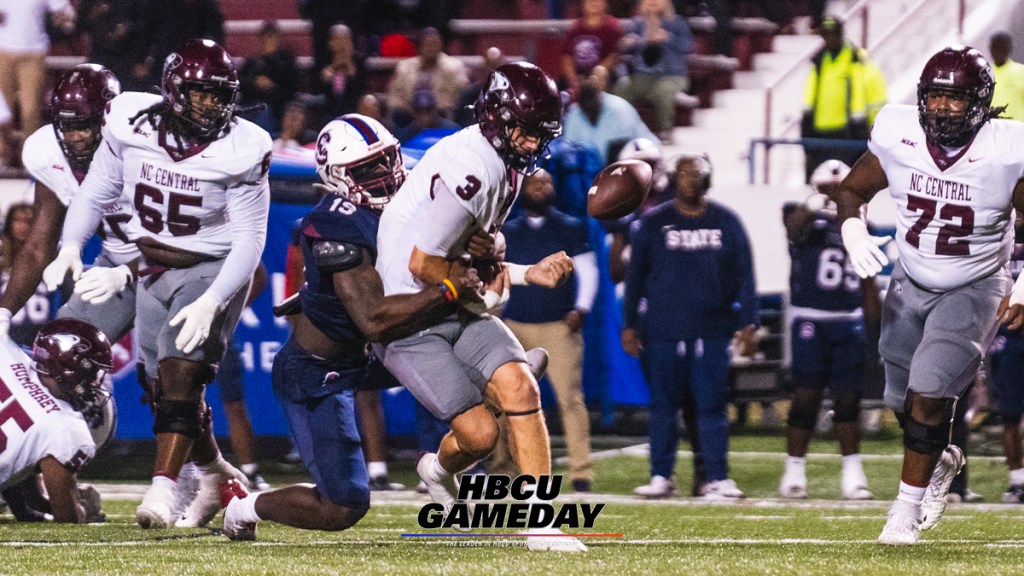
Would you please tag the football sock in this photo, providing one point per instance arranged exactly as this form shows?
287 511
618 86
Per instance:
852 465
1017 477
911 494
164 482
377 469
247 509
796 465
438 470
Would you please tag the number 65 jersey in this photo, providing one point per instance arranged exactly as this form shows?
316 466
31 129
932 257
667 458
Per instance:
33 423
954 222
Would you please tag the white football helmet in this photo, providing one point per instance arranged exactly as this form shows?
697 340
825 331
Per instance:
647 151
358 158
828 173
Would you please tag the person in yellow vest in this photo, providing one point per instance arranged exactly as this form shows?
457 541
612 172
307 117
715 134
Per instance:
836 97
1009 75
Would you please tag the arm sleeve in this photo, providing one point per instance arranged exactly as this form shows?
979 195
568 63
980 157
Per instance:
101 189
585 269
636 279
248 207
447 225
750 312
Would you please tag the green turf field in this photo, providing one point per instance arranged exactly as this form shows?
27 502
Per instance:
762 535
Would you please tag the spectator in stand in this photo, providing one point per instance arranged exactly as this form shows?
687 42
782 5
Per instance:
269 77
657 44
432 70
835 98
371 107
464 112
602 119
1009 75
114 29
343 79
425 116
171 23
38 310
24 44
324 15
553 318
723 11
593 40
689 291
294 131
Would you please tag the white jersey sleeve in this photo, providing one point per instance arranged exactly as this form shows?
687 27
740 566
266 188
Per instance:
465 167
33 423
953 225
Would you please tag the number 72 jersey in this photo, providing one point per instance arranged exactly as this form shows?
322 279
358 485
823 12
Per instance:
953 225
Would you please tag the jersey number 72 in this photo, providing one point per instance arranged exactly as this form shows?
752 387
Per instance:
952 238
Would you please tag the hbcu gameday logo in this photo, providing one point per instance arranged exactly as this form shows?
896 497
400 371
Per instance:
484 501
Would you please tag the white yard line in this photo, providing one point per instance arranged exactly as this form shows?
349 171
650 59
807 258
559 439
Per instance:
643 450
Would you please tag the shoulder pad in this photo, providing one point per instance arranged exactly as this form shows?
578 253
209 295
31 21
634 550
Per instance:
332 256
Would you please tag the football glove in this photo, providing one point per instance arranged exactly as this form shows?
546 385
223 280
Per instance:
864 249
197 318
99 283
68 259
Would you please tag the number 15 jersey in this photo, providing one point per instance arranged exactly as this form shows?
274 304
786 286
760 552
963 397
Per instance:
953 225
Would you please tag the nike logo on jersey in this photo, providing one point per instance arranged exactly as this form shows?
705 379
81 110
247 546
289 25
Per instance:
974 159
138 130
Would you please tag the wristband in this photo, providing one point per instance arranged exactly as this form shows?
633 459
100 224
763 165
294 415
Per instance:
517 274
448 290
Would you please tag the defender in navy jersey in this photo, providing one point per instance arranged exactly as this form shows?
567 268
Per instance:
689 291
827 334
343 308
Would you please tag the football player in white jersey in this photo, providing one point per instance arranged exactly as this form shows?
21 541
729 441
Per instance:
48 402
466 182
954 172
58 157
187 163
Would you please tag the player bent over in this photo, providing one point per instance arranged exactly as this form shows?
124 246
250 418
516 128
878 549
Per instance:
188 164
49 401
954 172
342 308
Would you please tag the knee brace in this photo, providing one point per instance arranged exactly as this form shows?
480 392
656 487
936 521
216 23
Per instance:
925 439
846 407
178 417
802 417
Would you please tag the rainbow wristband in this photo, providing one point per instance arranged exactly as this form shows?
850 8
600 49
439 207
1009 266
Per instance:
448 290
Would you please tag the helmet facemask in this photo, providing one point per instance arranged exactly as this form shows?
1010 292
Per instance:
371 181
518 136
85 137
200 115
948 128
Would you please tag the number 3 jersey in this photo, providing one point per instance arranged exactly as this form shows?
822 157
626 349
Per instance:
45 161
953 225
33 423
464 165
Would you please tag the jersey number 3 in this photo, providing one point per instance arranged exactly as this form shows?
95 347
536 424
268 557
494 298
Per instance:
946 243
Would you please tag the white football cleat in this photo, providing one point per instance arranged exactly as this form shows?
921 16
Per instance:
231 493
156 507
551 540
658 487
725 489
441 489
934 503
185 490
207 502
903 527
855 487
793 486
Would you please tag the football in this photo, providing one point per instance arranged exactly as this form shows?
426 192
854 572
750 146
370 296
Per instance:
619 189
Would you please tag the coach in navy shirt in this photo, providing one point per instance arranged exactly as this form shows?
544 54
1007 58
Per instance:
553 318
689 291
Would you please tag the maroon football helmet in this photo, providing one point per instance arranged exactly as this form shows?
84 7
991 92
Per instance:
77 105
203 66
77 357
964 72
519 95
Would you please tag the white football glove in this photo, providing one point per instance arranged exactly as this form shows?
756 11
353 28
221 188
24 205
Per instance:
864 249
198 316
5 322
69 258
99 283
